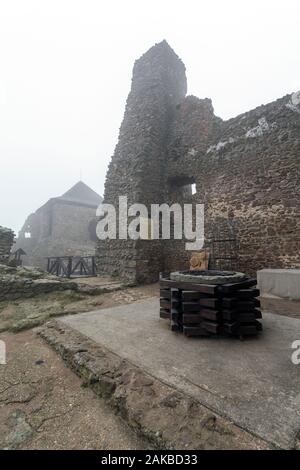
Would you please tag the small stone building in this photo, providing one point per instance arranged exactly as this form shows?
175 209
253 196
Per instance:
65 225
172 148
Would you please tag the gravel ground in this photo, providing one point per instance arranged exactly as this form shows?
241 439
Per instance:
44 406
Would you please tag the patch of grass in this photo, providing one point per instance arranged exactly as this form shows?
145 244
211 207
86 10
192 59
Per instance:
25 314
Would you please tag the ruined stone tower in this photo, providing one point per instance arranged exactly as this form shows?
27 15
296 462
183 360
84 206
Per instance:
246 171
137 166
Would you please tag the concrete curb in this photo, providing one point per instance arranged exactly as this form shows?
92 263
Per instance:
167 418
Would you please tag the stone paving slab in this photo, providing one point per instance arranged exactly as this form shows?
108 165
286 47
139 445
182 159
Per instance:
253 383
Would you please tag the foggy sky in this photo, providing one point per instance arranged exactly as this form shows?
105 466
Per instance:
65 72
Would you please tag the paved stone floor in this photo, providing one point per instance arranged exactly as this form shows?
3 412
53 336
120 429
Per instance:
254 383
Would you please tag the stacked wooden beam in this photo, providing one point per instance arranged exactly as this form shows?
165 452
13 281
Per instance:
203 310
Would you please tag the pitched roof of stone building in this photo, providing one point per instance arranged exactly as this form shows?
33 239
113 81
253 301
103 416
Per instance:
79 195
82 194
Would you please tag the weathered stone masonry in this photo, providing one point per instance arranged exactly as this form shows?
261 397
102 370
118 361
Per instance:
246 169
137 166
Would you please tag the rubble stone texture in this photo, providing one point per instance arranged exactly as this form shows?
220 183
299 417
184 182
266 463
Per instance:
246 171
6 243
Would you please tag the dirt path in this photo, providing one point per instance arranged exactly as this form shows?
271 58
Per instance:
43 405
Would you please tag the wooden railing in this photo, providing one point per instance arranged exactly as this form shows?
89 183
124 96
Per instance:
72 266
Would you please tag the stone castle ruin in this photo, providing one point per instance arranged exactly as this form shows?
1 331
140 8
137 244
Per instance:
64 226
173 149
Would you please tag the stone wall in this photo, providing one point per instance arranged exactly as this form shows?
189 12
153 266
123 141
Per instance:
246 171
75 222
22 282
6 243
137 166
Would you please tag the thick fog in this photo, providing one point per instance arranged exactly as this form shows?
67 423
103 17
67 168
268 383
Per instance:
65 71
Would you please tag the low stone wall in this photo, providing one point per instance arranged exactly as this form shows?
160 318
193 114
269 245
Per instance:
6 242
17 283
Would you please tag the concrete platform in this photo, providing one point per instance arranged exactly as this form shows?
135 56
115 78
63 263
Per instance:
253 383
280 283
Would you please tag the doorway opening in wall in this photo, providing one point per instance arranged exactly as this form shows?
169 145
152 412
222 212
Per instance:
182 187
223 245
